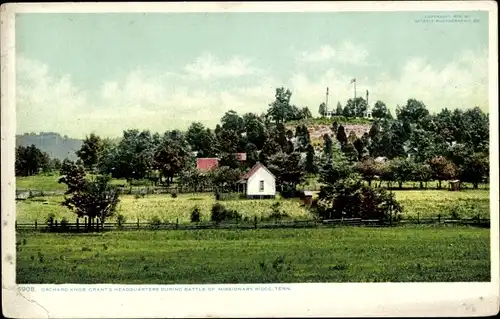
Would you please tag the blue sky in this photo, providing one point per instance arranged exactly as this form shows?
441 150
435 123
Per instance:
160 71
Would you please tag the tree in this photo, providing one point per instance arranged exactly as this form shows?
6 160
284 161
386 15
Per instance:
335 127
201 140
134 155
172 155
413 112
402 170
280 107
252 155
303 137
475 169
350 152
327 145
355 107
90 151
422 173
347 197
368 169
288 170
255 130
442 169
341 136
322 109
338 111
270 148
310 165
380 111
225 178
306 113
30 160
94 198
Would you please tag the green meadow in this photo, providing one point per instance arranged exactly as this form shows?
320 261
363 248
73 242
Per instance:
349 254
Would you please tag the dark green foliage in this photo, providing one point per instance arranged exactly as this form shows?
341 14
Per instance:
90 151
220 213
195 215
155 222
341 135
310 165
288 170
322 109
381 111
94 198
327 146
201 140
30 161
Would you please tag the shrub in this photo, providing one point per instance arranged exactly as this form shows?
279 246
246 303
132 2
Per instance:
64 223
155 222
220 213
174 195
120 220
195 215
50 218
276 212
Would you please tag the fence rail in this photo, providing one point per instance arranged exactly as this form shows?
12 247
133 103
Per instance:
247 224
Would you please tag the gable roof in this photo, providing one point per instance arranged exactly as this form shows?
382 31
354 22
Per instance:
207 164
254 169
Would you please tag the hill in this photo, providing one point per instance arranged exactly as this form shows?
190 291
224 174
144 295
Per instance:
317 127
53 144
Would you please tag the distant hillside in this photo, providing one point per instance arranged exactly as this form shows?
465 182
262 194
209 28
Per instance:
52 143
318 127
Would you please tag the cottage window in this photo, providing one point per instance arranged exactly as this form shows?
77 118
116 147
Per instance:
261 186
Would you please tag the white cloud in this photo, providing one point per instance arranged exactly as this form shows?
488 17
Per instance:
347 53
461 83
161 102
207 66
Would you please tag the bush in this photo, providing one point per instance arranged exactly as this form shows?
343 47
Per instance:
64 223
276 212
51 217
220 213
155 222
195 215
174 195
120 220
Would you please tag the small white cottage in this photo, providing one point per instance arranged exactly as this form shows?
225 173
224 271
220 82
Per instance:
259 182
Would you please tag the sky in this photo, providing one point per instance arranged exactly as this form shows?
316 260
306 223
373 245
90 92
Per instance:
106 72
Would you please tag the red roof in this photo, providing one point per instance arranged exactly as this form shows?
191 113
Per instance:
206 164
253 170
241 156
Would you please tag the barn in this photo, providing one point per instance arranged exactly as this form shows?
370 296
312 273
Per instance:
259 182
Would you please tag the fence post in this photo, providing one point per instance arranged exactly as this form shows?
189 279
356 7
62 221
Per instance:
56 224
137 223
418 217
439 218
255 221
51 223
15 225
177 223
36 224
77 224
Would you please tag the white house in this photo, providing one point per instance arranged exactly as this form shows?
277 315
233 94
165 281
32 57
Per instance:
259 182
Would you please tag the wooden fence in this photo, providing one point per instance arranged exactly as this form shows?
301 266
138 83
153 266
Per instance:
79 226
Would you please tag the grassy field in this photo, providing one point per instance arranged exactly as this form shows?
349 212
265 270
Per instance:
415 203
402 254
48 182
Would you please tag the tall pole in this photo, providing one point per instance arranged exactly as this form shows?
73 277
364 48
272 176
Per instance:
326 101
355 104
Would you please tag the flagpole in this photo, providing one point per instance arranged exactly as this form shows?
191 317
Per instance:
355 106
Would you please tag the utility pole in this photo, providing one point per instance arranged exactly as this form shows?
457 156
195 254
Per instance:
326 101
355 106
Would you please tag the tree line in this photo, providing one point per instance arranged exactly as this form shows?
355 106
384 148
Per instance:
416 146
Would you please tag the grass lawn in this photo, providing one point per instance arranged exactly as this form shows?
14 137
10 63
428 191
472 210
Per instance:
429 203
167 208
48 182
401 254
